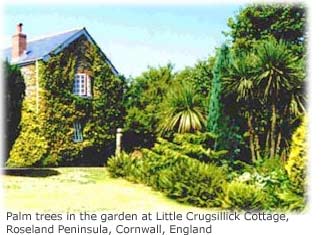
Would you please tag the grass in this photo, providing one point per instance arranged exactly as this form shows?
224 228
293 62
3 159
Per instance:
80 189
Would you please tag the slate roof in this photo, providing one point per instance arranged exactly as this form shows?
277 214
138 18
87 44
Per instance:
41 48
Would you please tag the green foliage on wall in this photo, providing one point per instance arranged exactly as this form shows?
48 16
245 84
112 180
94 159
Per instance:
15 92
50 130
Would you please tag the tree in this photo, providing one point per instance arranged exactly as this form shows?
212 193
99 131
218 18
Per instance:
260 93
279 76
222 121
199 77
257 22
15 92
238 83
143 100
182 111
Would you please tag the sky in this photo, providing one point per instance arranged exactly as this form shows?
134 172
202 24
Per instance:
132 36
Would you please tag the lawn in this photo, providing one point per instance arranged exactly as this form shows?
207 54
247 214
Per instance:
79 189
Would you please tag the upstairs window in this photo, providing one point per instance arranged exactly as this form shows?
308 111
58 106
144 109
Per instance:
77 134
82 85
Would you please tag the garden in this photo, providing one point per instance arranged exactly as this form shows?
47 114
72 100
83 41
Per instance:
229 132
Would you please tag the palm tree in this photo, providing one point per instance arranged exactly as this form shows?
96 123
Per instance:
278 76
182 111
238 82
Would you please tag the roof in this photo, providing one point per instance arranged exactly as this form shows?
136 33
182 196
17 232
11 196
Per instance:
41 48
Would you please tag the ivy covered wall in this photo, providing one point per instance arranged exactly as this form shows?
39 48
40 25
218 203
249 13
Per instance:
46 137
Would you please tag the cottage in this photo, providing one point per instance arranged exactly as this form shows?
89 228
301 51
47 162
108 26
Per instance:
72 105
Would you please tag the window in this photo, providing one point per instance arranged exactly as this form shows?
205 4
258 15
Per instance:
77 135
82 85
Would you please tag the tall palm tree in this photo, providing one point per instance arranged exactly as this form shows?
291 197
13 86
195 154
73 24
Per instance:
238 82
278 76
182 111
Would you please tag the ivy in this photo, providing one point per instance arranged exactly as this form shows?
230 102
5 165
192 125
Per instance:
46 138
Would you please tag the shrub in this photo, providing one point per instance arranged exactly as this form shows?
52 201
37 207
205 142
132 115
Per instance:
198 146
266 166
193 182
180 177
120 165
296 164
242 196
291 201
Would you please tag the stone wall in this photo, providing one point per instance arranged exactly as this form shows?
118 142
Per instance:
29 74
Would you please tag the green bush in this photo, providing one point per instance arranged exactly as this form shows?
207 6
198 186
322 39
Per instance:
242 196
180 177
291 201
198 146
120 165
170 167
31 146
271 177
193 182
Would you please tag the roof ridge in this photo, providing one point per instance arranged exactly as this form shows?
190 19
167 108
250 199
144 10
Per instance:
54 34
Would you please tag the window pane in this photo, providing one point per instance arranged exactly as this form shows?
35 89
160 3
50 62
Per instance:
88 86
77 134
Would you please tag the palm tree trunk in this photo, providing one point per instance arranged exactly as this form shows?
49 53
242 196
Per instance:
278 143
272 131
267 145
257 146
251 137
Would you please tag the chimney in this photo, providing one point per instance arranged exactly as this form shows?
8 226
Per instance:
19 42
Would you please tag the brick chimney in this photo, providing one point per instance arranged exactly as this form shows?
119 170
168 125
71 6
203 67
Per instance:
19 42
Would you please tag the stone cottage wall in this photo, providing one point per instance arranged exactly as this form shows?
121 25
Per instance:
29 74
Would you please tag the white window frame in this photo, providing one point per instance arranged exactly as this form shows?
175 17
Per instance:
82 85
77 133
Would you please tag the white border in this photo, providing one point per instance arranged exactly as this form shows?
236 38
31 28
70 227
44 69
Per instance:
299 224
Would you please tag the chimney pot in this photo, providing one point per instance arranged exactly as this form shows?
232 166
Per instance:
19 42
19 28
